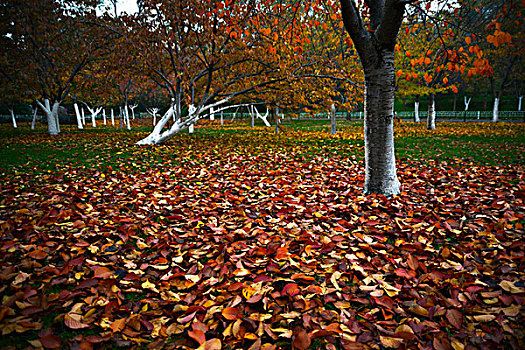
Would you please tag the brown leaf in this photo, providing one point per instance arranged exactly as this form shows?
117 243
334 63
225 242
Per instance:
301 339
455 318
51 341
291 289
412 261
102 272
74 321
212 344
390 342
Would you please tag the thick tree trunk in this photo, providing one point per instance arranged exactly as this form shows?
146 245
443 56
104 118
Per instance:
52 116
495 110
380 172
77 114
431 118
416 110
13 118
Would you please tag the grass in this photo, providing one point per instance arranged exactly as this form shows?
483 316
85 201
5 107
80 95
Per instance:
483 144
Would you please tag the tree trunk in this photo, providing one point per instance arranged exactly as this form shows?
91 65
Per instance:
380 168
83 117
431 118
416 110
79 120
104 116
455 101
13 118
112 117
126 113
252 116
52 116
332 120
519 102
212 114
222 118
495 110
34 118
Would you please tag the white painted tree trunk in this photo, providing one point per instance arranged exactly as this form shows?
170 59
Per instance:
495 110
277 119
416 110
264 118
212 114
467 102
191 129
126 115
431 118
222 118
79 120
52 116
94 113
158 135
519 102
112 117
332 120
252 116
34 118
133 110
13 118
380 162
104 116
83 117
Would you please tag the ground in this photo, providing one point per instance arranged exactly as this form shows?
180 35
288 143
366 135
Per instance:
241 238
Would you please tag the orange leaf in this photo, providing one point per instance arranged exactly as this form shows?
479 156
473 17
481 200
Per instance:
198 335
231 313
412 261
399 73
445 80
454 89
427 60
102 272
468 40
118 325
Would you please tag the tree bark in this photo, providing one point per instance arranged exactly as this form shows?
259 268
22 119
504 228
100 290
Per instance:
431 118
380 167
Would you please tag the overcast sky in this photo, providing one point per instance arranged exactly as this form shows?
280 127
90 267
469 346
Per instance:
129 6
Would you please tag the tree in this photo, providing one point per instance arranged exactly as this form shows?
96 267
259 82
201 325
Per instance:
55 42
375 46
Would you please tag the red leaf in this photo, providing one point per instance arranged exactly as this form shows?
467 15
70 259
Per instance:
455 318
291 289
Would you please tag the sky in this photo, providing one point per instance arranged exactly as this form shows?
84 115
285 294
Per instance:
129 6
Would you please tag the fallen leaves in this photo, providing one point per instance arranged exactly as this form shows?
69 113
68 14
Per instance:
252 242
